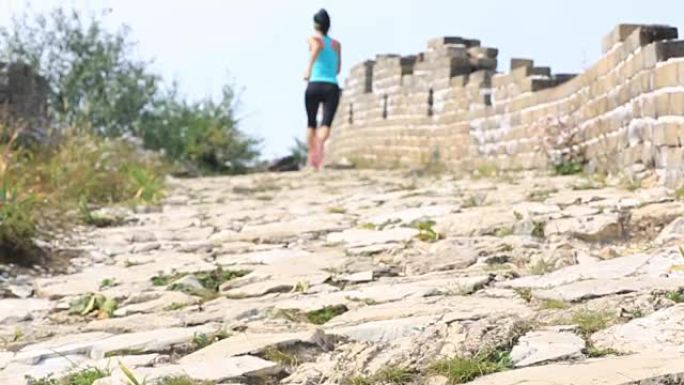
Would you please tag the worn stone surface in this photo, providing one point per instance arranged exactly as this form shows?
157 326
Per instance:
319 287
546 346
658 332
630 370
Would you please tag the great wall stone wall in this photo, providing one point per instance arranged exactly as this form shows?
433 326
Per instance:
449 105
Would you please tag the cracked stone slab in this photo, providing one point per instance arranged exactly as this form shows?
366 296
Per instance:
383 292
149 341
16 310
97 345
249 343
266 257
154 302
135 323
595 288
214 370
410 215
546 346
279 231
274 285
452 308
597 228
651 265
355 238
659 332
73 344
641 369
387 330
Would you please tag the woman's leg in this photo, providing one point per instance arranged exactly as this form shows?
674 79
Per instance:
312 102
311 145
329 109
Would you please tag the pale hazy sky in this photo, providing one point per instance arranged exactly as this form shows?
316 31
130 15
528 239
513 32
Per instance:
261 44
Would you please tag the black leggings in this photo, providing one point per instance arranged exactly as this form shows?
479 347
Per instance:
318 93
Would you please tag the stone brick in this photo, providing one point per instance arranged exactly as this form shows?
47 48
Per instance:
667 75
662 102
617 35
666 134
483 52
518 63
645 35
677 103
669 49
670 157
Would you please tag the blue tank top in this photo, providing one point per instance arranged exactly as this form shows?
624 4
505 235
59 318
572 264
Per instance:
325 66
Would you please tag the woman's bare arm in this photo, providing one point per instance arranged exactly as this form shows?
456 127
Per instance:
338 48
315 48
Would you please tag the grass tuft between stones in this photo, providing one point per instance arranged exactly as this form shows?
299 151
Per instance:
182 381
392 376
211 281
460 370
84 377
322 316
676 296
316 317
589 322
274 354
594 352
554 304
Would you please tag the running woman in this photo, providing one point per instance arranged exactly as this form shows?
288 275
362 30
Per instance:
321 73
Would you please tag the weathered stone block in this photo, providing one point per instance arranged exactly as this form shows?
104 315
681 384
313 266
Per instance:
667 75
617 35
662 102
518 63
666 134
669 49
670 157
677 104
645 35
484 63
452 40
483 52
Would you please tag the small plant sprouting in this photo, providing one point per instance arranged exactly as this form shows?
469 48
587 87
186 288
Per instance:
525 293
460 370
589 322
538 229
336 210
102 306
676 296
321 316
425 231
554 304
541 267
107 283
274 354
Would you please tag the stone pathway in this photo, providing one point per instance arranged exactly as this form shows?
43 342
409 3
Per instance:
365 277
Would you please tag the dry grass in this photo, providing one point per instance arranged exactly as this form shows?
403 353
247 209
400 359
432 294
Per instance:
46 188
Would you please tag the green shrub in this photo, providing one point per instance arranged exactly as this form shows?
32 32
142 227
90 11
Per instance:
95 82
17 224
203 133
